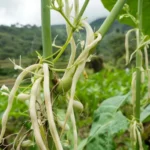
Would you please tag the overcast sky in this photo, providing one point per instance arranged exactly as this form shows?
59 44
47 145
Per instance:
28 12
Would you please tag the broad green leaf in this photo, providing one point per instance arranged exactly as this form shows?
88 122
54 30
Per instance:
107 123
101 142
108 4
104 130
145 113
112 104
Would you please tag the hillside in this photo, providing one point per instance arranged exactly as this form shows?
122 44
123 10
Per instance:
24 40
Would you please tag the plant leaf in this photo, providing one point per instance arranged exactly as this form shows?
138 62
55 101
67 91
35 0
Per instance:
104 130
112 104
107 123
133 11
145 113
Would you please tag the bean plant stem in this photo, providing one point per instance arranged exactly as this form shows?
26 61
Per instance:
46 31
67 20
138 85
112 16
77 20
64 47
140 7
138 66
138 62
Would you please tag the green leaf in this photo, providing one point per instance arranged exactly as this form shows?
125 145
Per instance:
101 142
112 104
103 131
133 11
107 123
145 114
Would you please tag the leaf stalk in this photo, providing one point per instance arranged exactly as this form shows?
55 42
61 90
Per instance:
112 16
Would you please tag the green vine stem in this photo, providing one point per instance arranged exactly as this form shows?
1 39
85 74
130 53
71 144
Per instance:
46 31
77 20
138 81
138 62
112 16
110 19
63 48
67 20
138 66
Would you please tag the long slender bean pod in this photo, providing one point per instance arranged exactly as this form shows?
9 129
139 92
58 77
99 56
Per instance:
48 105
81 60
72 42
86 51
89 33
33 115
12 95
73 87
127 44
75 135
76 7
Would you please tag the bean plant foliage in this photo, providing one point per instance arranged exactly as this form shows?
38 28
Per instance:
106 124
129 13
51 101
